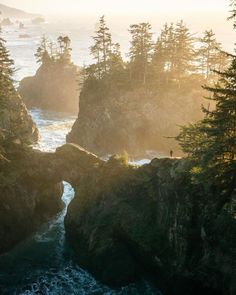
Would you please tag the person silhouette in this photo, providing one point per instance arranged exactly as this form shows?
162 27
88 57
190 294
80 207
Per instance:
171 153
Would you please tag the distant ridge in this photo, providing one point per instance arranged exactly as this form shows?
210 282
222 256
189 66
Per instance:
7 11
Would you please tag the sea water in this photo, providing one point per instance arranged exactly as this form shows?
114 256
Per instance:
42 263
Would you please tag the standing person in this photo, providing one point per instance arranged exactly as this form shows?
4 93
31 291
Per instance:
171 153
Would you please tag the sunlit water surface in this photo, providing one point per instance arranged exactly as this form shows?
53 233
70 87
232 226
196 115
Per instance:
42 264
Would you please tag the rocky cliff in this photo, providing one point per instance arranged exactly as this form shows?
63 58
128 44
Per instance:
126 221
54 87
134 121
27 197
15 119
31 185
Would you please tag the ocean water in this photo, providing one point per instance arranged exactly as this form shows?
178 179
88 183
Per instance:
22 50
80 29
42 263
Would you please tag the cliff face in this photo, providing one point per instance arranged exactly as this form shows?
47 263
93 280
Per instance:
54 87
14 119
125 221
134 121
27 197
31 188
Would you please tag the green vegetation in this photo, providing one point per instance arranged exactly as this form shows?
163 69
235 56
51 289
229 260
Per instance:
6 74
175 60
211 143
48 52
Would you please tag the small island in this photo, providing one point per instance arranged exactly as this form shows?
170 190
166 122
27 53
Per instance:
55 84
138 105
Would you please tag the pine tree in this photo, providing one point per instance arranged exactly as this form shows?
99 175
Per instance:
212 141
140 51
163 57
174 55
6 74
233 12
184 52
101 48
116 65
42 55
64 54
210 56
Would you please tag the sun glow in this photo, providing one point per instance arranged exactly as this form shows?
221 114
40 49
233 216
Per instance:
117 6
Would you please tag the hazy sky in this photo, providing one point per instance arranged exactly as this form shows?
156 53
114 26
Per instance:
199 15
105 6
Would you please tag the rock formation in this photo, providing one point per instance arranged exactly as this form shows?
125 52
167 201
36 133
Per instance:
125 221
16 121
135 121
54 87
28 197
31 188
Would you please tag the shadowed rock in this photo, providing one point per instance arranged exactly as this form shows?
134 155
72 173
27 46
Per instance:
124 220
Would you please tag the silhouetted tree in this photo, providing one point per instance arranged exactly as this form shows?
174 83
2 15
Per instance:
233 12
163 56
64 53
212 141
184 52
140 51
210 55
42 54
6 74
101 48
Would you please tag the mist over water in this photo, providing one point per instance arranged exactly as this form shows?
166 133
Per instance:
81 28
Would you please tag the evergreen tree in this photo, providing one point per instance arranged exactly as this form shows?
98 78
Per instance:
6 74
212 142
64 54
101 49
210 55
174 54
42 55
164 56
233 12
116 64
140 51
184 56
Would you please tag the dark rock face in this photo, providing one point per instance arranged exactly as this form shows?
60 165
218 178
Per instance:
27 197
111 122
31 188
54 87
125 220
